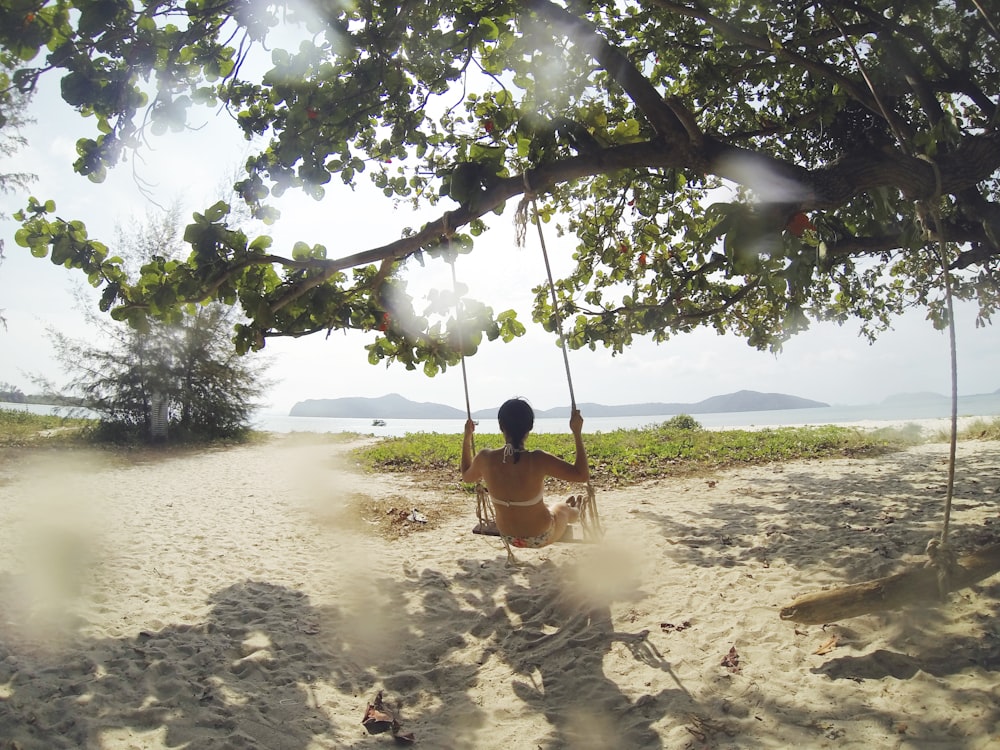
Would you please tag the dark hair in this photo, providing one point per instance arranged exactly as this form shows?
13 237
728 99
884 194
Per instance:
516 419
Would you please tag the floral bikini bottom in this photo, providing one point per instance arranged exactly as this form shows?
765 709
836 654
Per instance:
533 542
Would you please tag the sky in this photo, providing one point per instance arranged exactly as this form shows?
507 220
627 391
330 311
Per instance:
828 363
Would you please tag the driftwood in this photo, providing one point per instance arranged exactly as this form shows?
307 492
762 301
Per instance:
892 592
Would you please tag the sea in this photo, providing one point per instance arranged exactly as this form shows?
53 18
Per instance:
893 411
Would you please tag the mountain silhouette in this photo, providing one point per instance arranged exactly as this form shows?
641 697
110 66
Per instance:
394 406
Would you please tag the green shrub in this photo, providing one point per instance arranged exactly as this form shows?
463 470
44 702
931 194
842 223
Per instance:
682 422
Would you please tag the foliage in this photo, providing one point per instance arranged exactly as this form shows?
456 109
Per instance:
12 118
979 429
11 394
854 136
13 106
624 457
190 365
19 428
186 362
682 422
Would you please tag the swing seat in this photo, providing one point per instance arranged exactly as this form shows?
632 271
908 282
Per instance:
490 529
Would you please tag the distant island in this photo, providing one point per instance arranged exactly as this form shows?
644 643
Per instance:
395 406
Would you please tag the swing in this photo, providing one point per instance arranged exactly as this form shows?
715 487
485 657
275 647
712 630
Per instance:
585 503
944 571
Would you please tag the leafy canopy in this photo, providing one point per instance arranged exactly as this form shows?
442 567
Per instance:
852 138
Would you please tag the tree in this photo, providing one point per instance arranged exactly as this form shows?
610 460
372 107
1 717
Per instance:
188 365
13 106
208 391
12 118
11 394
859 142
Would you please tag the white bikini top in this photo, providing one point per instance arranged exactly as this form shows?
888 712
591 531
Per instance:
509 451
519 503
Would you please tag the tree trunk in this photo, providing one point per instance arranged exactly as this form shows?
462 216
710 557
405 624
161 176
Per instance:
892 592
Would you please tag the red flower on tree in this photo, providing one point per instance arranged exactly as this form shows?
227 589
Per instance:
799 223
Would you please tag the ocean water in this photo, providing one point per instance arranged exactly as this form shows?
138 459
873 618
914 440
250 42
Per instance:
895 411
986 405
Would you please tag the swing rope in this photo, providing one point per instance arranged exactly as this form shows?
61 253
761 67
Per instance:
590 519
939 552
484 508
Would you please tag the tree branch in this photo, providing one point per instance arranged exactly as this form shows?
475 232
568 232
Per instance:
620 68
975 159
693 316
958 233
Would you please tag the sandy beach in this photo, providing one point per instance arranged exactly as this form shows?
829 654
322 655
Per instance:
261 596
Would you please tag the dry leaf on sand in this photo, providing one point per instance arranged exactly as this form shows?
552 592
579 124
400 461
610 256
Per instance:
829 645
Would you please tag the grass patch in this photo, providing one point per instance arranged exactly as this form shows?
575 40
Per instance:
979 429
24 429
20 428
624 457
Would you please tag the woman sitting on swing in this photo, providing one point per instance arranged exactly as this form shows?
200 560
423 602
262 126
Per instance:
515 477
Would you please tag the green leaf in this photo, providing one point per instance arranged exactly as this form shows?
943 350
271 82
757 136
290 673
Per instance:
488 29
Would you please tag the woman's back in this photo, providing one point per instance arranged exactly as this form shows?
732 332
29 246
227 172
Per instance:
515 476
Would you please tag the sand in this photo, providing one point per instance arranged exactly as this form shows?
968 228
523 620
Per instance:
261 596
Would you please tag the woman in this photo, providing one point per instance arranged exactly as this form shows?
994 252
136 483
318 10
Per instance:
515 477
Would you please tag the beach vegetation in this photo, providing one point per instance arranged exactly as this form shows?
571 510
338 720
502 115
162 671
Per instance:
748 167
626 456
19 428
186 369
912 433
908 433
682 422
176 378
977 429
11 394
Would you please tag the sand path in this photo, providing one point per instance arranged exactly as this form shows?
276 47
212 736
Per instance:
259 596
